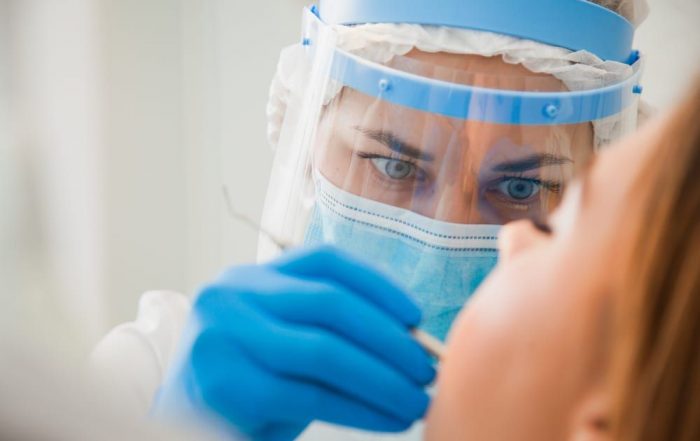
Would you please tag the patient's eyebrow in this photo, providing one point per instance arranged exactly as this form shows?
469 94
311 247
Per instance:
531 162
395 143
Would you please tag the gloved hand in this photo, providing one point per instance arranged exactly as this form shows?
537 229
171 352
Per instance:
315 335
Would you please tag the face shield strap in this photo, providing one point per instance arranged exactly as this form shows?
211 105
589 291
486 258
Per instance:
571 24
481 104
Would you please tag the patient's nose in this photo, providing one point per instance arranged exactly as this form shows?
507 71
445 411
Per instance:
516 237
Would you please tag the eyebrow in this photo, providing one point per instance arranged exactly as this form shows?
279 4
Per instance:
396 144
531 162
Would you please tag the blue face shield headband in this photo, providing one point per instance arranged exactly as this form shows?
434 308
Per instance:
571 24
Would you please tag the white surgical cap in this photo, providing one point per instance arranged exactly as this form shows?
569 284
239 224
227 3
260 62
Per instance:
379 43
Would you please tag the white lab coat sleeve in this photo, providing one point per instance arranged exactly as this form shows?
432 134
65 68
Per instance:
132 359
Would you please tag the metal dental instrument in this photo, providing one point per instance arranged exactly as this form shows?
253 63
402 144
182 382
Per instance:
241 217
432 345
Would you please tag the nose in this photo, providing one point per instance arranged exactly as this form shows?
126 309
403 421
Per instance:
516 237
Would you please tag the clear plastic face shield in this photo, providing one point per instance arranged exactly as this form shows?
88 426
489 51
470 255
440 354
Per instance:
414 164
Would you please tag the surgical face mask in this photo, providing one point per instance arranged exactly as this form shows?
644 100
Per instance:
440 264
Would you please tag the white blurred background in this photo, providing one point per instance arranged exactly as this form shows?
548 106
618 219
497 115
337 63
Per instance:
121 119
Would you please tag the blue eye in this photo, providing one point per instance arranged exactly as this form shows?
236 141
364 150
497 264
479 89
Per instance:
519 189
394 168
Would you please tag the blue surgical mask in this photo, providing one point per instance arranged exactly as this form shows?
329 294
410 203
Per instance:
440 264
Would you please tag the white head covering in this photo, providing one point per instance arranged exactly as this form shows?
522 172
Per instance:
578 70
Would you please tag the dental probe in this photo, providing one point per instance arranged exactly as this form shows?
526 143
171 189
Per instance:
432 345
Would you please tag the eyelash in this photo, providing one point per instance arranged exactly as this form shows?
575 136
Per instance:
553 186
542 226
365 155
413 163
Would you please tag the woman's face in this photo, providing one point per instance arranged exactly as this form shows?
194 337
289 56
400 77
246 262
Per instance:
526 360
468 172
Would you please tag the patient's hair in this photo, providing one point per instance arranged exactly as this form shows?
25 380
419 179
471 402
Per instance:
656 358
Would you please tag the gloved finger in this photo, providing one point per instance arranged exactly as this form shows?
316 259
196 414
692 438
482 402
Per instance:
334 308
279 432
343 367
241 390
331 263
317 356
319 303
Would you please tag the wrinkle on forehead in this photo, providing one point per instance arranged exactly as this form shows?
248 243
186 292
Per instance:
476 70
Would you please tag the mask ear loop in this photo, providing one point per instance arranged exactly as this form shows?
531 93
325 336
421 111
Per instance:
247 220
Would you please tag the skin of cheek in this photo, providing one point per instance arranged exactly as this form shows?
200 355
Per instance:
520 356
337 144
332 160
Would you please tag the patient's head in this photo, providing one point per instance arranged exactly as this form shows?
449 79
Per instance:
589 329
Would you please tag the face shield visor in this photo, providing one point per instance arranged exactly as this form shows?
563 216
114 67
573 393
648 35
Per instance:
414 163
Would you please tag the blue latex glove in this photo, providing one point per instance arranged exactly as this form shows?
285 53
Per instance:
315 335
